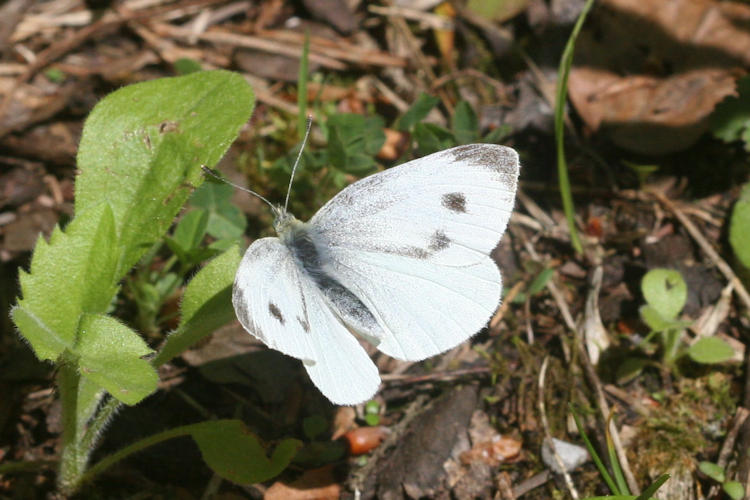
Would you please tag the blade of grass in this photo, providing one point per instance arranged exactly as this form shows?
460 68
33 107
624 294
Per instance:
616 469
560 95
594 456
648 492
302 87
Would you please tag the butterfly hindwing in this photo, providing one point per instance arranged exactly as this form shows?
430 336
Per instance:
281 306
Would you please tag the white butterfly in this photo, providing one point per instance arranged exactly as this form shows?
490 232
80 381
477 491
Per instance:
401 258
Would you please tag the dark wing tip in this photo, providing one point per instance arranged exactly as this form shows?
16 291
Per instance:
500 158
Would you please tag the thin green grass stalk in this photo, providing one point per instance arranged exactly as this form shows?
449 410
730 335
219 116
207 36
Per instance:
302 88
613 460
595 456
648 492
560 95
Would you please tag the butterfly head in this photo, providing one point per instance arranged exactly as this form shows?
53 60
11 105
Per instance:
283 220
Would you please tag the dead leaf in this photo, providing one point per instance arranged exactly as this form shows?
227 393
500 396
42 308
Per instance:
652 93
499 450
394 146
343 421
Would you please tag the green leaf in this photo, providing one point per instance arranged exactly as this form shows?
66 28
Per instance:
142 147
191 229
734 489
712 470
89 396
417 112
497 134
110 356
665 291
72 274
654 320
710 350
465 124
225 221
431 138
540 281
353 141
185 66
629 369
314 425
730 120
206 305
739 227
236 454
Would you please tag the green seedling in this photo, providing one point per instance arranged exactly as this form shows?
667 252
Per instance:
665 292
733 489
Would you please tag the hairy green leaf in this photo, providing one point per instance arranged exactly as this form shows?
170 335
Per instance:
70 275
110 356
142 147
206 305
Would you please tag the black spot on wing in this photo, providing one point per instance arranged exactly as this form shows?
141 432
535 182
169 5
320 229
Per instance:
455 202
276 313
439 241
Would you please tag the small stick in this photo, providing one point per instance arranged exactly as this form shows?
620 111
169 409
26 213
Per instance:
720 263
726 448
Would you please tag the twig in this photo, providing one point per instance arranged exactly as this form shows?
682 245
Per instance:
427 19
532 483
720 263
247 41
500 313
726 448
499 87
439 376
548 436
59 49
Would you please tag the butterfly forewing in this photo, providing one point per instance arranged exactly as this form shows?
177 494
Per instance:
413 244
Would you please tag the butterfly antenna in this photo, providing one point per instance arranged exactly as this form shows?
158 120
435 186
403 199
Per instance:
216 176
299 155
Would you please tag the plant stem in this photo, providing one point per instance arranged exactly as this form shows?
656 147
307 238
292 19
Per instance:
112 459
91 436
73 458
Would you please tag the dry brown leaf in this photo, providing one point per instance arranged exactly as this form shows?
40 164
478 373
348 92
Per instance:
648 74
498 450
